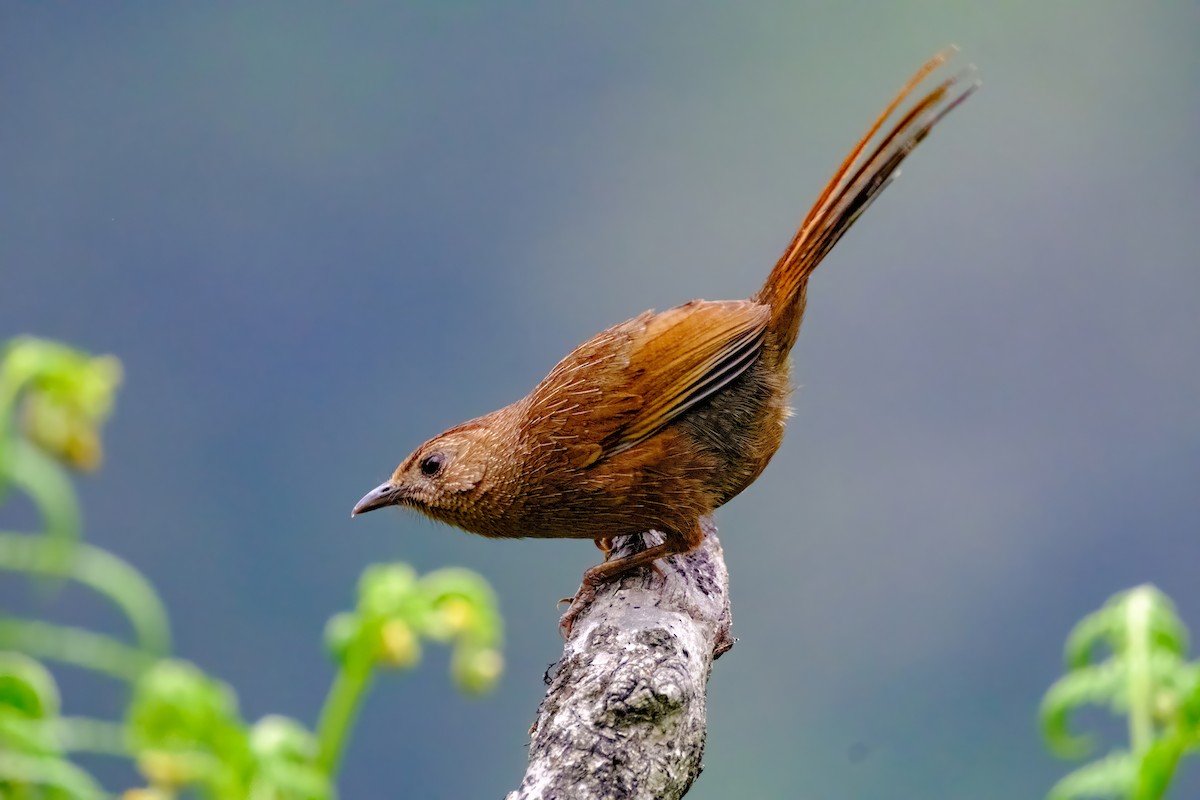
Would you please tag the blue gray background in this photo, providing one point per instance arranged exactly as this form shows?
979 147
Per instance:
317 233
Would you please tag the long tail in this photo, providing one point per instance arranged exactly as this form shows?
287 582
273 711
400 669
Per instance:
857 182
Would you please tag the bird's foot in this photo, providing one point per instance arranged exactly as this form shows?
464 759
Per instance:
579 603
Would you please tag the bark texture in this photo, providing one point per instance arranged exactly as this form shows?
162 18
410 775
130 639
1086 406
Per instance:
625 714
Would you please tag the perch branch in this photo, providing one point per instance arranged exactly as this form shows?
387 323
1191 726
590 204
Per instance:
625 713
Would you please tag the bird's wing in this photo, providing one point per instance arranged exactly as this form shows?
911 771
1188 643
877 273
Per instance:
628 382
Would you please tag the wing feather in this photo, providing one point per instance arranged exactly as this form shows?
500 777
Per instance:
628 382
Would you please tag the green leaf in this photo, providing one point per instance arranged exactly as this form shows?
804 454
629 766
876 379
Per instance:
76 646
51 772
386 589
1094 629
98 570
177 705
286 755
1145 677
83 735
26 687
341 632
1096 684
1112 776
1158 766
54 496
1189 708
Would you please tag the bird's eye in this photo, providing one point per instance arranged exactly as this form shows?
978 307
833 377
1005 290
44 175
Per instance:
432 464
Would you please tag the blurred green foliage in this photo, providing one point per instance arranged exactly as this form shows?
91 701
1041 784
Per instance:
1131 657
182 727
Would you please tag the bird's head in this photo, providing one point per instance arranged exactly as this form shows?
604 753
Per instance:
441 478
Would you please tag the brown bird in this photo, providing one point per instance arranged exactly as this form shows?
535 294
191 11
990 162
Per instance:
659 420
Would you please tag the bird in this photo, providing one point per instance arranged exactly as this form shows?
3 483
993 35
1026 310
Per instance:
656 422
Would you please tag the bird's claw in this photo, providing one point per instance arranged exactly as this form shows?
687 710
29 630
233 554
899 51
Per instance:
579 603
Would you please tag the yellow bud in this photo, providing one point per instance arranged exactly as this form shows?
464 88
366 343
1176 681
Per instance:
398 645
81 450
62 433
1166 705
457 614
144 793
164 769
477 671
489 665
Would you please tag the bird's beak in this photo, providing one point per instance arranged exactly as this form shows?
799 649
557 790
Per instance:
380 496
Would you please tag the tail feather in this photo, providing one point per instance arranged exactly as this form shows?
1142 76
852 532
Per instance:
853 188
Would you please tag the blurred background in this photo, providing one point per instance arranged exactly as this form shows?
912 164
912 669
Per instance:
318 233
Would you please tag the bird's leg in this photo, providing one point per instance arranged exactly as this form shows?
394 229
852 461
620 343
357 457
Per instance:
595 577
605 545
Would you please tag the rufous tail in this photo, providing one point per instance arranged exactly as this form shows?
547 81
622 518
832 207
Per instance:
857 182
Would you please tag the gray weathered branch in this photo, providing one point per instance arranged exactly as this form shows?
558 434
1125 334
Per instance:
625 714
